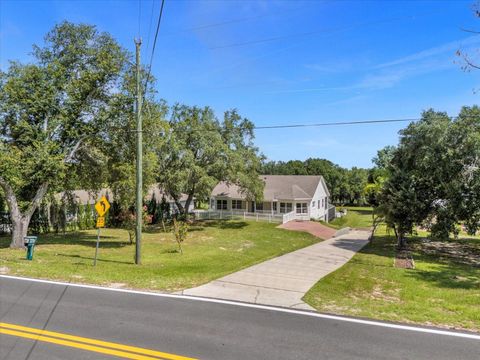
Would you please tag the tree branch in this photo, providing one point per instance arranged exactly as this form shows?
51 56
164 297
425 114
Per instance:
74 150
52 134
10 197
467 61
42 190
177 202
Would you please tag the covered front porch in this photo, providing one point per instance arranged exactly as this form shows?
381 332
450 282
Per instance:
298 210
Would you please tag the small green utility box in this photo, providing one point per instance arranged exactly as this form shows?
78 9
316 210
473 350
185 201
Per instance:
29 242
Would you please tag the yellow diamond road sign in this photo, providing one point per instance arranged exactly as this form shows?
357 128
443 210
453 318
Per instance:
102 206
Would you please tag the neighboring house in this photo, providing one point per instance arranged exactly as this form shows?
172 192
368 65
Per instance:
84 197
155 190
304 197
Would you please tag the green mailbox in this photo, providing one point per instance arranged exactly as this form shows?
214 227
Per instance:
29 242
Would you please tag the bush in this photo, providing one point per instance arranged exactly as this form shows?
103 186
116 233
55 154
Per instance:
180 230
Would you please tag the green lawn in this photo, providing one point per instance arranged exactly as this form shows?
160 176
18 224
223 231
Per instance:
212 249
357 217
443 289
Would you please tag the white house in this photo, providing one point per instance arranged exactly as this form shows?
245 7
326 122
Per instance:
304 197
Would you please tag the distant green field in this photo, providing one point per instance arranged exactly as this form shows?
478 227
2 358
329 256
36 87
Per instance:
357 217
212 249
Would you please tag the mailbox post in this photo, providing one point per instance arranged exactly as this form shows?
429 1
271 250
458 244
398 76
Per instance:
29 242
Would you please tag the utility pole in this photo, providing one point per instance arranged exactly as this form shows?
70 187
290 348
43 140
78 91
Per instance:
139 165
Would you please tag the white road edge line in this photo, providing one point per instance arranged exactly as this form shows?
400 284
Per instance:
256 306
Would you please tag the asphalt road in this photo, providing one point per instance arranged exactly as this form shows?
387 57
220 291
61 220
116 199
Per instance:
198 329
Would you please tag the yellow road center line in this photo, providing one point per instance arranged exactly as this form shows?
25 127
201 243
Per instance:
76 342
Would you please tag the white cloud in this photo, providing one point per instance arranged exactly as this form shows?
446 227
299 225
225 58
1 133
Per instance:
449 48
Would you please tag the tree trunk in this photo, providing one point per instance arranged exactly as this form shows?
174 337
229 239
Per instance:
181 209
395 231
187 204
401 241
20 222
19 231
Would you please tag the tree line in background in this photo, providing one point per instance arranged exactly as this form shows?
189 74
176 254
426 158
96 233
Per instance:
346 186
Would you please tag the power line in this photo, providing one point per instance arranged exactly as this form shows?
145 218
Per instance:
229 22
338 123
335 123
358 122
212 25
139 16
343 123
153 48
150 26
309 33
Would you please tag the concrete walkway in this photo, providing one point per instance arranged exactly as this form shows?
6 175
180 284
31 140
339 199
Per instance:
284 280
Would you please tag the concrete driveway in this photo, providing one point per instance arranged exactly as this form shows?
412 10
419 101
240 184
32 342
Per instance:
284 280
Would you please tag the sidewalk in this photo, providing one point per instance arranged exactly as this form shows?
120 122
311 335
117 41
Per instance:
284 280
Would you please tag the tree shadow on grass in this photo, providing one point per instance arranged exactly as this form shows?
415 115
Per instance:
454 270
453 277
5 242
347 244
224 224
157 229
89 240
360 211
98 259
383 246
82 239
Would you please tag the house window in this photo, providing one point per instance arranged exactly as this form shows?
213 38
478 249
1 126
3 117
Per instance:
302 208
274 206
285 208
313 203
326 202
323 201
237 204
259 206
221 204
318 204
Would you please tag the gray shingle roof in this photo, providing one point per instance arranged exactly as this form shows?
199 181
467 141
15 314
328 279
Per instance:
283 187
91 197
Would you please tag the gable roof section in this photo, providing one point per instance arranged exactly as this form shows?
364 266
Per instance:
85 197
278 187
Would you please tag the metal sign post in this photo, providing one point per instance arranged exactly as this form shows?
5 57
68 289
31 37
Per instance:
102 207
96 247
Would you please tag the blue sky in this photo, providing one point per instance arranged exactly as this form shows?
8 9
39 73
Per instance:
305 62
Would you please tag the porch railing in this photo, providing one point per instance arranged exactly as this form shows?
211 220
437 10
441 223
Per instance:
331 212
235 214
288 217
